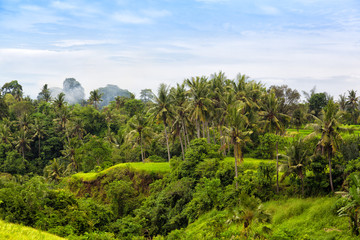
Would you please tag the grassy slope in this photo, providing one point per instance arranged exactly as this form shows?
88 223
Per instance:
312 218
17 232
162 167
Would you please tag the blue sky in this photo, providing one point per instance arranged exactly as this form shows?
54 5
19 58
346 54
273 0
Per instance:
140 44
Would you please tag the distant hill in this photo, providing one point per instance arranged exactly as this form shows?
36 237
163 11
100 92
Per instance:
110 92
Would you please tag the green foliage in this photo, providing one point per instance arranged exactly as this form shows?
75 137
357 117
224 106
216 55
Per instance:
267 145
96 152
122 196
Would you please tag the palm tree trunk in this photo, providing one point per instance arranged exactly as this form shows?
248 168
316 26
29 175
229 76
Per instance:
167 140
236 169
222 141
141 147
207 131
277 166
203 130
182 147
330 173
39 147
184 133
198 128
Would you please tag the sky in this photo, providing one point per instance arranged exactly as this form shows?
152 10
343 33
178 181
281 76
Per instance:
140 44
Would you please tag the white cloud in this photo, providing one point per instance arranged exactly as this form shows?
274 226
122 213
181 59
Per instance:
75 43
156 13
63 5
131 18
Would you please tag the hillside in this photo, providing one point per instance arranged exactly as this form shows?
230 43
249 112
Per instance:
12 231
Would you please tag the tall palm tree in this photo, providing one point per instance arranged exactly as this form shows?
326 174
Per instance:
352 104
271 123
199 101
297 158
95 97
140 131
218 94
162 110
22 142
5 131
45 94
328 126
237 131
55 171
181 112
39 132
59 101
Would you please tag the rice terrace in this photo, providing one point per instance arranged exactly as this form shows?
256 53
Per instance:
179 120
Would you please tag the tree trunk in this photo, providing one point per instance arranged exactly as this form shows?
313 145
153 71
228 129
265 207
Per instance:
330 173
184 134
277 166
167 140
182 147
236 169
198 128
222 141
39 147
141 147
203 130
207 131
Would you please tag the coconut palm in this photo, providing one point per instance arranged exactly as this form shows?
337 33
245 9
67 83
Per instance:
39 132
22 142
140 132
199 101
180 116
328 126
59 101
352 206
352 104
271 123
95 97
237 132
55 171
163 110
297 158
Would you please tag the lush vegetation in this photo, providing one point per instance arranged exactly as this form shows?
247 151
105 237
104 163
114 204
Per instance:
212 158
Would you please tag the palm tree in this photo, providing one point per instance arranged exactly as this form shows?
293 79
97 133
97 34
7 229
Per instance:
139 132
5 131
352 207
22 142
59 101
200 102
95 97
39 132
55 171
162 110
237 132
297 156
271 123
181 112
328 126
352 104
45 94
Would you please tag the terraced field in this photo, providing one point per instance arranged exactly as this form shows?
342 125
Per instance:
9 231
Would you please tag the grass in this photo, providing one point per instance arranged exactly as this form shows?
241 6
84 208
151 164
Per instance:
162 167
12 231
311 218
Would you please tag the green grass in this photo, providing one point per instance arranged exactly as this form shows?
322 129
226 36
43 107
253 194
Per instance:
250 163
162 167
9 231
311 218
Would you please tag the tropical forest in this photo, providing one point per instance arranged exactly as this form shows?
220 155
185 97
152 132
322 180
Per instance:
209 157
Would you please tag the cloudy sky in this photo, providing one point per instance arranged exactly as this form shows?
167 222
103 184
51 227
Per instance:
140 44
